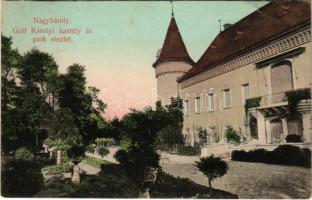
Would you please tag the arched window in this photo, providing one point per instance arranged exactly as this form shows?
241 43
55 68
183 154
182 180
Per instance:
281 80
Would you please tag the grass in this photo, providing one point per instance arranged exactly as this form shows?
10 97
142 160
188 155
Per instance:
57 169
112 182
95 162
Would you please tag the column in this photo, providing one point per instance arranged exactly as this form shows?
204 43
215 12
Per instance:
268 131
285 128
306 121
247 133
261 128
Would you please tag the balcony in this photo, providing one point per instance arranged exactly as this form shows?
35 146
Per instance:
280 103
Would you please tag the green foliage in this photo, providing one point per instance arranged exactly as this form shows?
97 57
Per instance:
90 148
188 150
294 96
58 169
171 135
23 154
212 167
232 135
252 103
74 96
141 127
94 162
45 103
20 178
100 105
125 143
136 161
282 155
63 167
293 138
103 151
105 141
76 153
112 182
202 135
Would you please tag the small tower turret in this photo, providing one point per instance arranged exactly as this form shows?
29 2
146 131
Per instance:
172 61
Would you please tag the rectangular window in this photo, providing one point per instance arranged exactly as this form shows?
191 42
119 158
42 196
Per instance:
211 102
227 98
245 92
197 104
186 107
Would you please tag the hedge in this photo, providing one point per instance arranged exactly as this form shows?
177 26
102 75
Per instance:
282 155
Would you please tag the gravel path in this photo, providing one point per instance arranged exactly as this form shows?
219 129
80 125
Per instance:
247 180
88 168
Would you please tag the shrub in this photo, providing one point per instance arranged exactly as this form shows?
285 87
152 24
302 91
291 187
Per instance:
293 138
103 151
125 143
257 155
90 148
58 169
188 150
23 154
231 135
294 96
21 178
282 155
75 153
239 155
212 167
291 155
136 161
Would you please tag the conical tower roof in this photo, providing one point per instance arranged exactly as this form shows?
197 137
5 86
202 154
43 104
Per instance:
173 48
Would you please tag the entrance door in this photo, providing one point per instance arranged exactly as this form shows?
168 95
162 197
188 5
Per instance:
276 130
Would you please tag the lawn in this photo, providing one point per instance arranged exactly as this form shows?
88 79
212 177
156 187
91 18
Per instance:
112 182
94 162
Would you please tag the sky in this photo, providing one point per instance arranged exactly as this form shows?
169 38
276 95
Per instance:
119 53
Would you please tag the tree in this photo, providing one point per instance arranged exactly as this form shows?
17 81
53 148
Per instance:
21 178
11 119
212 167
141 159
75 96
171 135
103 151
10 62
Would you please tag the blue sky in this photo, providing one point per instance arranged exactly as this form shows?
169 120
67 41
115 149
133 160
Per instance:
119 54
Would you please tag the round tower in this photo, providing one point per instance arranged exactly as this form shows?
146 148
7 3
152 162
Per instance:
172 61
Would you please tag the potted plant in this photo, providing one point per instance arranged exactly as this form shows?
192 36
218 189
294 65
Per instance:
76 154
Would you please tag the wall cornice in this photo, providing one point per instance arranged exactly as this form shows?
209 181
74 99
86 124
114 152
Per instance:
269 50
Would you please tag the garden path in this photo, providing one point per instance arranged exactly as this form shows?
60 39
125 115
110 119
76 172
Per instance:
89 169
247 180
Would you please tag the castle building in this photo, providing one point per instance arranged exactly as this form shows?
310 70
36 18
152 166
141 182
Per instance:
245 77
